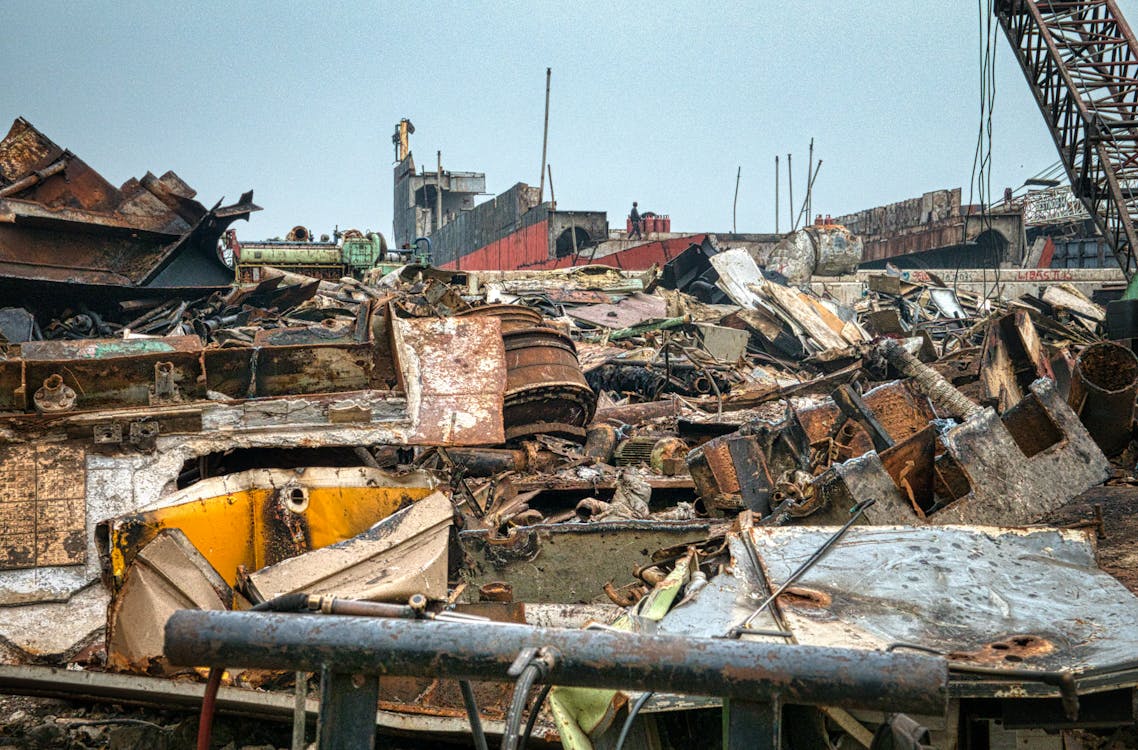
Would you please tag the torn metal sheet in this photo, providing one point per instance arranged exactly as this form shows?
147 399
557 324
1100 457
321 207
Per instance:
402 555
63 225
1005 598
168 574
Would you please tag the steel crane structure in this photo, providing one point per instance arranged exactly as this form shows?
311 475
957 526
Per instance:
1079 58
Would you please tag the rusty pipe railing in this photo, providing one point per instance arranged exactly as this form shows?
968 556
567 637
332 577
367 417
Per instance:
746 673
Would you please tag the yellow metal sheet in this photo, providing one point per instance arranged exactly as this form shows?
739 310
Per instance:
268 516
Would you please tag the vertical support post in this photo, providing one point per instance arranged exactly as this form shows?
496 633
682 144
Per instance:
751 725
809 184
790 189
552 195
347 711
735 203
299 712
776 181
544 139
439 194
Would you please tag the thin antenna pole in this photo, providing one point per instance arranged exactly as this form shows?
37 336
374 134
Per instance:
552 195
790 188
776 181
809 182
544 139
735 204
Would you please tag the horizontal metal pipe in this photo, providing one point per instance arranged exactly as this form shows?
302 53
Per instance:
806 675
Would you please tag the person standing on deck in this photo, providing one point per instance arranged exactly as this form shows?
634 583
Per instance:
634 218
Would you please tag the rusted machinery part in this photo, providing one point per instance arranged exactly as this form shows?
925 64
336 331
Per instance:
1104 385
545 388
928 381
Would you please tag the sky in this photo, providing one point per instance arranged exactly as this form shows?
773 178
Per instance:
658 103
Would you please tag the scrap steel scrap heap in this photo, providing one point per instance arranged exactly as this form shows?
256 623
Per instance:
901 522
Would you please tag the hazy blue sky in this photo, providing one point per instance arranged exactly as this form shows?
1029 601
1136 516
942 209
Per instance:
654 102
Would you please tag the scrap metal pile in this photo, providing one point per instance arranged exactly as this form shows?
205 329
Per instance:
583 448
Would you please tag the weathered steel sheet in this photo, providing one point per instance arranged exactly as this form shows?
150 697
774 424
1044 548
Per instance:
402 555
998 597
42 505
569 564
453 371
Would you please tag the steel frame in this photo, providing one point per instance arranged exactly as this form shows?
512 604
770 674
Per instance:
1079 58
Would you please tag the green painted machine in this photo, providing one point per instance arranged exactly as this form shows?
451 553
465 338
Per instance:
352 253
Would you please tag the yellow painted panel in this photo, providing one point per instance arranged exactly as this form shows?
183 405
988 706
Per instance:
254 527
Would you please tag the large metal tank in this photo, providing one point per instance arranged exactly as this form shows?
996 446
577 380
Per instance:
825 250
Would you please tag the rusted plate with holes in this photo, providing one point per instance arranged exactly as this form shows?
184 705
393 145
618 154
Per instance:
453 371
43 506
109 373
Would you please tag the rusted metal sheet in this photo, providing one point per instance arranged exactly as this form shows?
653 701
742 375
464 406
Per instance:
453 371
402 555
730 473
106 373
576 561
61 223
42 505
633 310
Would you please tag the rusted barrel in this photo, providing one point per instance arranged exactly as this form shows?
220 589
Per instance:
545 389
1103 388
513 317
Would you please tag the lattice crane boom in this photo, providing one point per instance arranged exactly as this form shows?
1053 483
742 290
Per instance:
1079 57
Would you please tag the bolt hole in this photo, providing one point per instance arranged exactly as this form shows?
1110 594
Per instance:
1027 641
1000 646
296 499
1013 658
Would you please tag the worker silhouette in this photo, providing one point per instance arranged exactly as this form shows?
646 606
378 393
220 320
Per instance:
634 220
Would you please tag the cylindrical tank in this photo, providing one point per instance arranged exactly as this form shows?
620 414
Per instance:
816 251
1103 388
546 391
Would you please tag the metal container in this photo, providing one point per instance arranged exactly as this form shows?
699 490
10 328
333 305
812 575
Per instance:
1103 389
